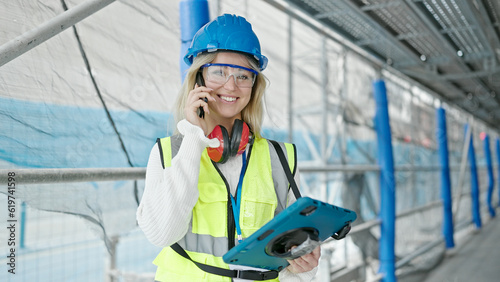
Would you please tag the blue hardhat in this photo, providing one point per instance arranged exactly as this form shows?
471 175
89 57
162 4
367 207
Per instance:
226 32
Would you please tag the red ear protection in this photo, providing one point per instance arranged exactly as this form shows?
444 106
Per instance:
229 146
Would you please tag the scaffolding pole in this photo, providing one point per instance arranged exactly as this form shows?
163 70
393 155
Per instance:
30 39
66 175
387 184
476 213
442 138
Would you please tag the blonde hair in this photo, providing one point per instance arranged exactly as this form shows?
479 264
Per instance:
252 114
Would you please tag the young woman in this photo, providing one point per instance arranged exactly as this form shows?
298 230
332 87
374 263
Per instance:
217 180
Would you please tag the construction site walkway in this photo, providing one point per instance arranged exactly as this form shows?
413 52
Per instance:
477 259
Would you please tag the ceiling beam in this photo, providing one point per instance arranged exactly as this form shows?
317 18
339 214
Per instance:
451 51
483 30
432 76
395 42
382 32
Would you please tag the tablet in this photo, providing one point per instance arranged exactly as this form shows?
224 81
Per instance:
306 220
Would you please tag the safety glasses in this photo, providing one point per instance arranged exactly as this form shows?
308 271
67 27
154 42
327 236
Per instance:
220 73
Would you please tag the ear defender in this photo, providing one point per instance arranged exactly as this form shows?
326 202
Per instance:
219 154
229 146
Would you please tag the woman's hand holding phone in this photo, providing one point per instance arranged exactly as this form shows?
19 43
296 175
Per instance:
197 106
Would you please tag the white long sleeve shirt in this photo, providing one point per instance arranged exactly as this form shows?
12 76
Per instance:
171 193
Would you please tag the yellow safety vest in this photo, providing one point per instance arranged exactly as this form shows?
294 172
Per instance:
264 194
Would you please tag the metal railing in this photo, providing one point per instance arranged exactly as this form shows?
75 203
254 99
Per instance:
66 175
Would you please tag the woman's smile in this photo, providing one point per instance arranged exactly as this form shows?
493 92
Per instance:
228 99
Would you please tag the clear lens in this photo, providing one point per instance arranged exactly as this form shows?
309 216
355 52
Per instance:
220 74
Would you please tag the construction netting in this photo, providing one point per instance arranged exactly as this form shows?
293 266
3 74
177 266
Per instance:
98 94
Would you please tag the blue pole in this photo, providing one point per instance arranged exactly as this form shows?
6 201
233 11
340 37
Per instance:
442 137
498 168
476 215
193 14
387 184
491 181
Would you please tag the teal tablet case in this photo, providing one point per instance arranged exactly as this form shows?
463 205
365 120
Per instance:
268 247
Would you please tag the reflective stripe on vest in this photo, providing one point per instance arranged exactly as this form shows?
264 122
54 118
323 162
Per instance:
207 238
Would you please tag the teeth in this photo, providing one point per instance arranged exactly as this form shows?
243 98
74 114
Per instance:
229 99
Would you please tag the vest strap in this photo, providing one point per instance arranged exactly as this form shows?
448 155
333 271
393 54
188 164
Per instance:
242 274
286 168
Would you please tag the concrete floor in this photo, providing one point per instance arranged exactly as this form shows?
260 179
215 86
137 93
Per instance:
477 259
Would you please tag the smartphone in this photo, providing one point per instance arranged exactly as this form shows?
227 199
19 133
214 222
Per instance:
201 82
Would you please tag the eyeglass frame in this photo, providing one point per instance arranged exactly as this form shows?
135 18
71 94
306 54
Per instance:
233 66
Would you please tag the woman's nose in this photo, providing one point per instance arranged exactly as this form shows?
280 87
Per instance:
230 84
